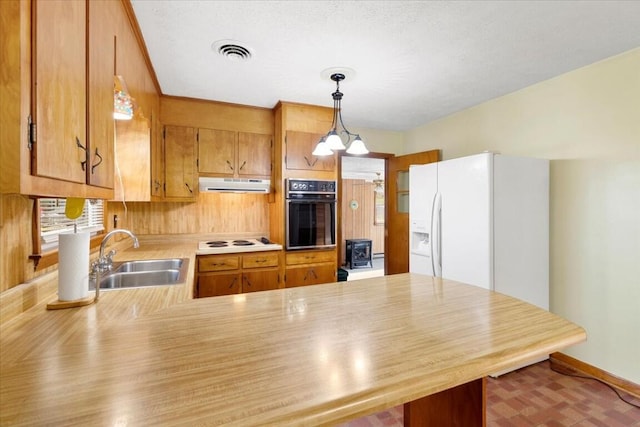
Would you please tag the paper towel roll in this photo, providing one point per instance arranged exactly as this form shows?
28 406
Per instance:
73 266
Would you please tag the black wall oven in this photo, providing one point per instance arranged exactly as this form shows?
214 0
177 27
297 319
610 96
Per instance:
310 213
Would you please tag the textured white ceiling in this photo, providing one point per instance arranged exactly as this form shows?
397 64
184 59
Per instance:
414 61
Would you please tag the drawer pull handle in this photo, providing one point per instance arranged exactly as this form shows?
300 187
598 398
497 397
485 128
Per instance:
83 164
94 166
233 282
310 164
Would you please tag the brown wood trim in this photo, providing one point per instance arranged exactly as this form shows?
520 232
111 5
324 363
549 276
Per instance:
562 362
464 405
135 27
209 101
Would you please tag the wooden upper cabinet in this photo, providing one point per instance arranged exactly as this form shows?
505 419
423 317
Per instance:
254 154
180 162
59 75
234 154
157 158
300 146
133 154
100 96
217 151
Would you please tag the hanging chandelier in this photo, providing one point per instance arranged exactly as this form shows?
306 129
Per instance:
379 188
332 141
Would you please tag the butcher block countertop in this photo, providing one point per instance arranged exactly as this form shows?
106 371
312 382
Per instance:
314 355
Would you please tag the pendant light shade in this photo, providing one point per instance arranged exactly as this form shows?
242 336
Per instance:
357 147
332 141
322 149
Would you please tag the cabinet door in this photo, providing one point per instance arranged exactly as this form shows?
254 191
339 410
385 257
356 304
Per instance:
212 285
180 162
60 90
300 146
100 94
265 280
254 154
217 152
157 157
310 275
133 154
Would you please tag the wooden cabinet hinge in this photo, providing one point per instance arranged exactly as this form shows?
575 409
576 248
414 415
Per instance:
32 133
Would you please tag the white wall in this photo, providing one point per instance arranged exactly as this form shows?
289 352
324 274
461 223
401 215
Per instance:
588 123
381 141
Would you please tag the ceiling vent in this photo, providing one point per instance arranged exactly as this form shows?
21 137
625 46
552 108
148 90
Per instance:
232 49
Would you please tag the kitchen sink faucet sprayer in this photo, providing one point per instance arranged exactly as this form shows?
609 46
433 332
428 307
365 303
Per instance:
103 263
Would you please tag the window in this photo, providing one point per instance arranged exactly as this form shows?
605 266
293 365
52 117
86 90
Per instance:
53 220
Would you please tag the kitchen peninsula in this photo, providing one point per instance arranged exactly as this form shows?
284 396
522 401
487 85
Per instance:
314 355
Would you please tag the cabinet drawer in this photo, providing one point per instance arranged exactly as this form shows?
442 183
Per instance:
218 263
260 260
310 257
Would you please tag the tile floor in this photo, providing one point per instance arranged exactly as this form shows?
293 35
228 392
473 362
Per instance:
538 396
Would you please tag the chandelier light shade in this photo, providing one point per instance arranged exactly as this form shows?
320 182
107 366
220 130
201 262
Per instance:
122 101
332 141
322 149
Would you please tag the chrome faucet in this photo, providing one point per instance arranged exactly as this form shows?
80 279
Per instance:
104 262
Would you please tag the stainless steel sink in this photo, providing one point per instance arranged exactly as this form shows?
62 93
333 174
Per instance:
140 279
149 265
144 273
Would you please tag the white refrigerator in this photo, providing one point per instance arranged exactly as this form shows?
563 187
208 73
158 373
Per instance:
483 220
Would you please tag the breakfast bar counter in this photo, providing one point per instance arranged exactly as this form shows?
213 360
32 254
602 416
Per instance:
315 355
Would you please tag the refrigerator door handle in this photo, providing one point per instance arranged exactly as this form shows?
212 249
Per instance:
436 241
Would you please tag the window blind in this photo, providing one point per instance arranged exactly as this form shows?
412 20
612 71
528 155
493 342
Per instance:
53 221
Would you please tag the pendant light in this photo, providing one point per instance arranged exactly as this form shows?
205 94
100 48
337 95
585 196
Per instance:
332 141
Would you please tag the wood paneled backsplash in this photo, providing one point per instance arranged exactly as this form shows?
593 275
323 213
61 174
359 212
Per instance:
226 213
15 241
358 223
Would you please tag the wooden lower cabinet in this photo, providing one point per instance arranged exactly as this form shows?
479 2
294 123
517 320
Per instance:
310 275
237 273
265 280
310 268
212 285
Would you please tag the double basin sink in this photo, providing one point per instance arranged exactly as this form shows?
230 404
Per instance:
144 273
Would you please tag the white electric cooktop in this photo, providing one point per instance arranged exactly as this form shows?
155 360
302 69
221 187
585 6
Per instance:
225 246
